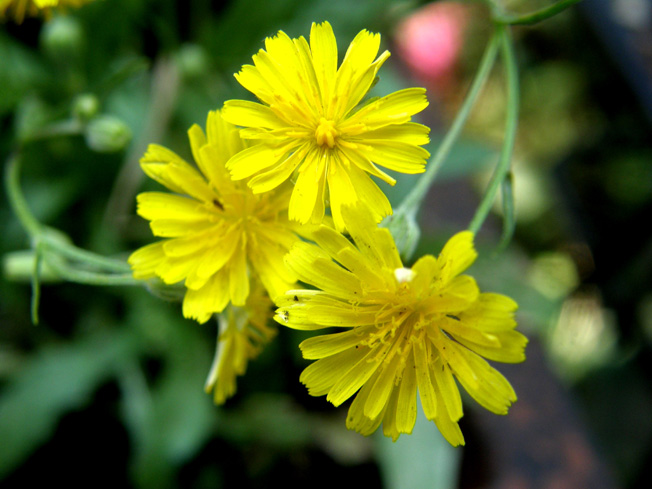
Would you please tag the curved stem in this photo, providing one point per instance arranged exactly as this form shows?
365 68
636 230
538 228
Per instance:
413 200
509 219
92 278
511 121
17 200
39 233
69 127
531 18
88 257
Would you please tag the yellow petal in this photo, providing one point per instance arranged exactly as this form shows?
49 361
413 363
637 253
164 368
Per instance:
382 388
424 382
173 270
313 266
270 179
356 74
308 191
197 140
409 133
458 253
448 427
238 278
252 160
395 108
172 228
175 174
159 205
396 155
485 384
201 304
212 161
390 426
510 348
458 295
184 246
375 243
406 409
447 390
327 345
145 260
356 420
354 378
323 48
355 156
251 114
215 256
321 375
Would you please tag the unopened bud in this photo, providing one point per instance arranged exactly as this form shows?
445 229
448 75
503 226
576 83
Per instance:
192 61
107 134
405 231
85 106
62 38
18 266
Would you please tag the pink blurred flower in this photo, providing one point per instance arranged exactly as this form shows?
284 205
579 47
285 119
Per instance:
430 41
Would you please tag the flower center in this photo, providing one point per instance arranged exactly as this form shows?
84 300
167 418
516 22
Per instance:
403 275
326 133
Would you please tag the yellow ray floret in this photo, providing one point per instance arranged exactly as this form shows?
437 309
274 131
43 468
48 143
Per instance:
218 233
243 333
404 330
312 124
19 9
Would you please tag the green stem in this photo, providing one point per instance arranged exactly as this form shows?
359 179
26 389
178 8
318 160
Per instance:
70 127
413 200
535 17
36 283
92 259
509 219
91 278
511 121
16 199
39 233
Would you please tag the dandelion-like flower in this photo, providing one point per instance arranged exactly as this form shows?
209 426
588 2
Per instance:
311 124
243 333
19 9
218 233
405 329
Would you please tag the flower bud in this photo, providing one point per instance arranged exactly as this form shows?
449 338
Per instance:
192 61
107 134
62 38
85 106
405 231
18 266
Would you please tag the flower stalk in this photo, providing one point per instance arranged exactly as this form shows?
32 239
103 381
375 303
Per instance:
511 121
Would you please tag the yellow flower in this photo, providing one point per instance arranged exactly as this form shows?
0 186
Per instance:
243 332
218 232
18 9
404 329
311 121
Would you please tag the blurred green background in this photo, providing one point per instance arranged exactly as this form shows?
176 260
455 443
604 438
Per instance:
108 388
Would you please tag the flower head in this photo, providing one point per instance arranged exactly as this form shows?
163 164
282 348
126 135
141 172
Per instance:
218 233
19 9
243 332
311 123
404 329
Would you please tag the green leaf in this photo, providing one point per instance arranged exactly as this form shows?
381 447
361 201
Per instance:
422 459
56 379
170 421
20 71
